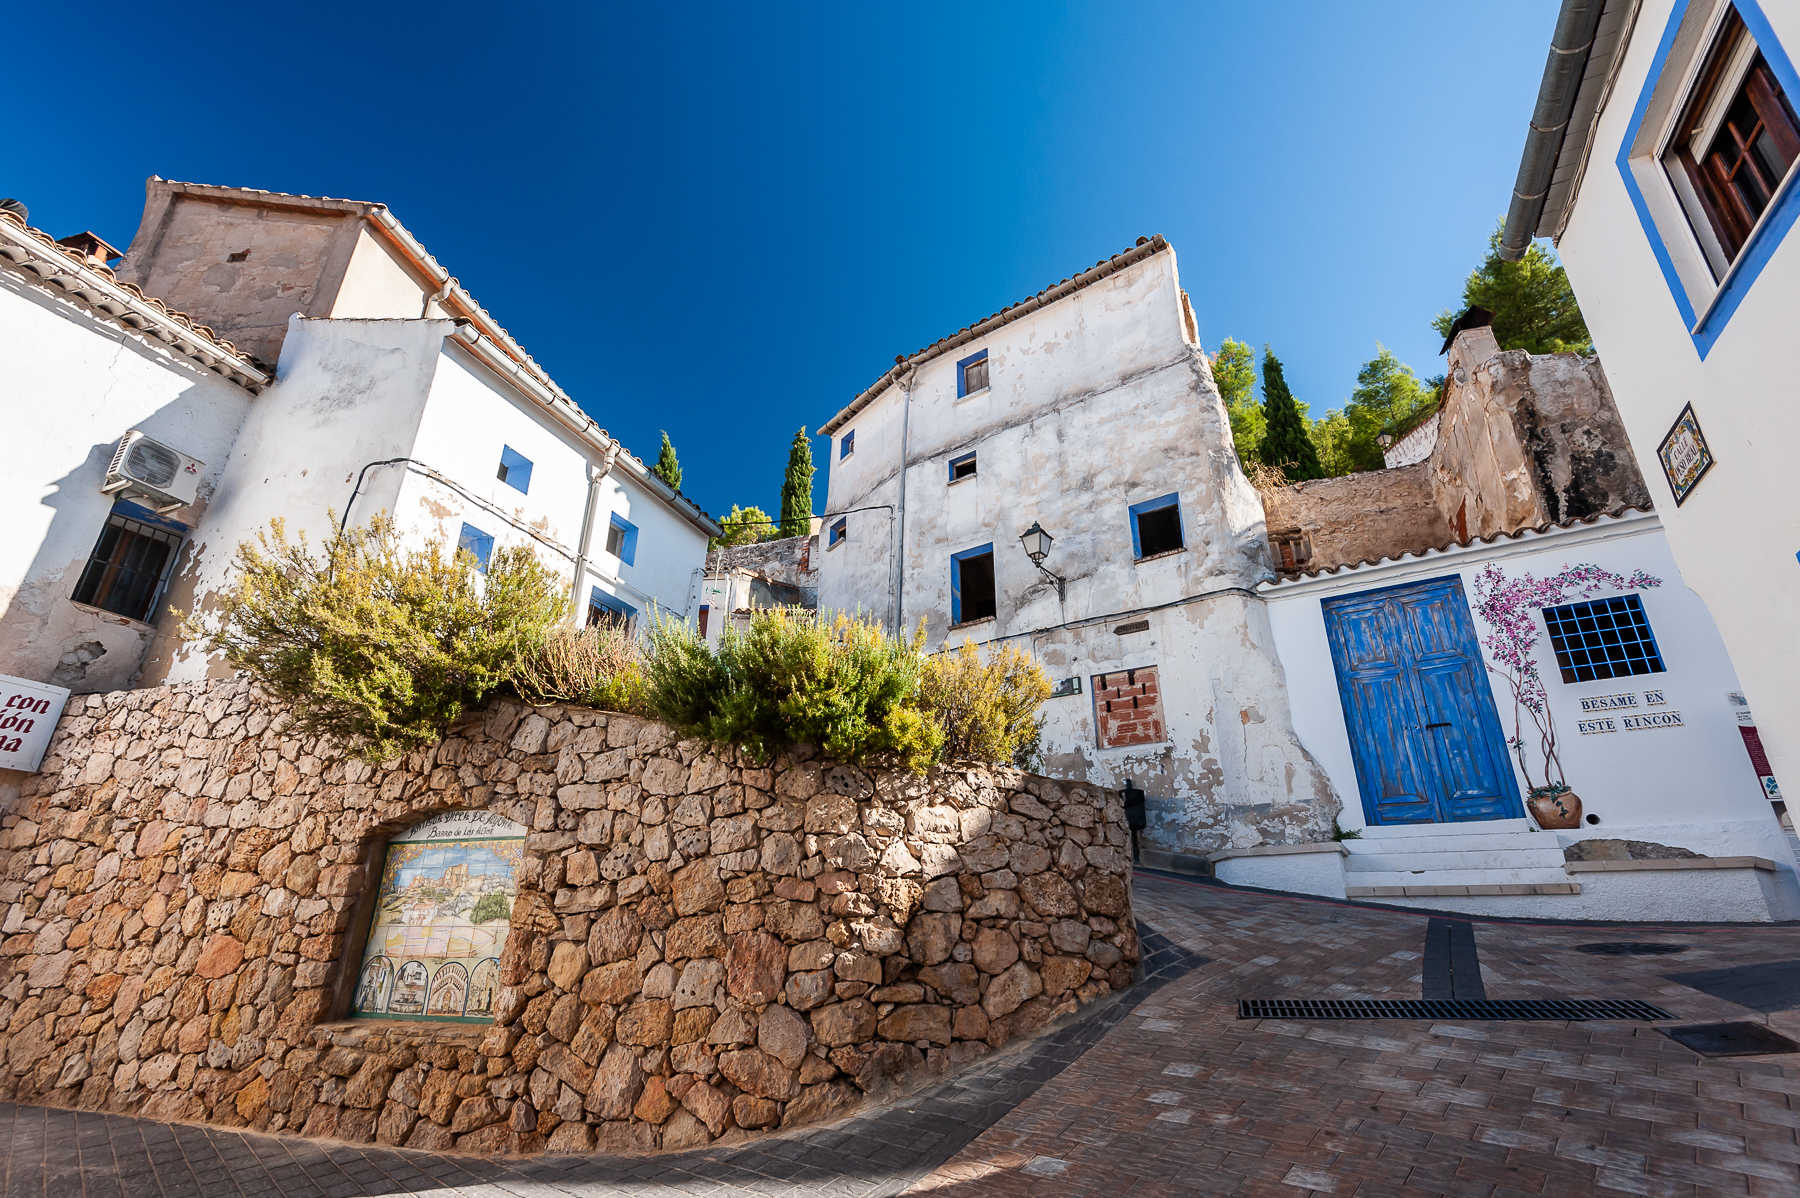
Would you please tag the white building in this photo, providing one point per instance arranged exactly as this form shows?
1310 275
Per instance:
740 579
396 392
1087 410
1677 241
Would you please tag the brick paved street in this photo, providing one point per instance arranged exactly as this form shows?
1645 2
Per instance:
1167 1092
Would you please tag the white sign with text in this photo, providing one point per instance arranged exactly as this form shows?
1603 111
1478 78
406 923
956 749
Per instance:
28 714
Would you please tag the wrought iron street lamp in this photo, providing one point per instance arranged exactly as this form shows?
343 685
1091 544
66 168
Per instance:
1037 547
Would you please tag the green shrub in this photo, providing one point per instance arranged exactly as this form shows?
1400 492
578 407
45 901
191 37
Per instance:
791 677
376 644
595 667
988 709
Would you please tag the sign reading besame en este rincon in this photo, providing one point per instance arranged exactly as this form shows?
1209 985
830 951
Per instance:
28 714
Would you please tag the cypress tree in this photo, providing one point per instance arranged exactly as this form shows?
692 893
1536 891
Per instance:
1285 444
797 488
667 467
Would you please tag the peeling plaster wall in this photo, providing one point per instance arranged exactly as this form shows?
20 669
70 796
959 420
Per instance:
1097 402
1361 517
75 385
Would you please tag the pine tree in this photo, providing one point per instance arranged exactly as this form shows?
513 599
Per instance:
1286 445
667 467
797 489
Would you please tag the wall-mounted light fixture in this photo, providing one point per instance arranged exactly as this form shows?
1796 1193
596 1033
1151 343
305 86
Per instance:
1037 547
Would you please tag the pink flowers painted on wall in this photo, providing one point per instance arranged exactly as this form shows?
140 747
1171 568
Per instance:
1511 608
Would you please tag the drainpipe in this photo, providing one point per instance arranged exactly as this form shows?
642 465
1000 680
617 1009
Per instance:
438 297
905 382
588 514
1570 47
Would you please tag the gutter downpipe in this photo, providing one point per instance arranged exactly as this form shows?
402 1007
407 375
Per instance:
588 513
1570 47
905 382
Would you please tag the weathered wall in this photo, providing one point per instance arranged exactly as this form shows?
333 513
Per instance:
1529 439
1361 517
697 944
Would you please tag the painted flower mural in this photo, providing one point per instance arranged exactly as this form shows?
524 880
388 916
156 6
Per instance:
1512 608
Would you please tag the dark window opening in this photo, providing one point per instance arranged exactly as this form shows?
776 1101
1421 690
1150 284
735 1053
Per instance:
1603 638
840 529
1156 526
847 446
609 611
963 467
705 611
127 569
972 586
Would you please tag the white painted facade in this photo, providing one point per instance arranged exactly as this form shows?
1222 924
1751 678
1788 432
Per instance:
1098 398
1690 786
1733 355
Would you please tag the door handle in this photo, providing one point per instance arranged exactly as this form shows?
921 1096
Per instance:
1429 727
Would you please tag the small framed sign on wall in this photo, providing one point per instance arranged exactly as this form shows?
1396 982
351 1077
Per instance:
28 714
1684 455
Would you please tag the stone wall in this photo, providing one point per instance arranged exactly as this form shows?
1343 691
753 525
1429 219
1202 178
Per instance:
699 947
1360 517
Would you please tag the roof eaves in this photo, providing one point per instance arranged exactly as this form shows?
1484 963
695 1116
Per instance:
1145 248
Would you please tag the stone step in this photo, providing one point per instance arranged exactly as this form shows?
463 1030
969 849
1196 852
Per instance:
1458 827
1546 858
1473 842
1458 877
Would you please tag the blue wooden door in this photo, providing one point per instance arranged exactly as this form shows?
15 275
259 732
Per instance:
1423 728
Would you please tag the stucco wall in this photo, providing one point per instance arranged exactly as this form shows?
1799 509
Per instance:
1361 517
1691 786
1736 534
75 385
698 944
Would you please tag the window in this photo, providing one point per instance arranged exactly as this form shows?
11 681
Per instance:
1603 638
972 374
621 539
847 445
1156 526
130 563
442 911
1735 141
963 467
476 542
605 609
972 585
1293 548
1128 709
705 611
515 469
840 529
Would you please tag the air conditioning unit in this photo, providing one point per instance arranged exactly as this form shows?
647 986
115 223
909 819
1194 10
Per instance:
165 479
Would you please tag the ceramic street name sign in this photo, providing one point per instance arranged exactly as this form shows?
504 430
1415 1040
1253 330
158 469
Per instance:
1684 455
28 714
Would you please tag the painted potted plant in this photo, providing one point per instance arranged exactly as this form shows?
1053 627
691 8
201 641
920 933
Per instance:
1510 607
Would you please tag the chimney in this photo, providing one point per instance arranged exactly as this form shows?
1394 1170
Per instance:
92 247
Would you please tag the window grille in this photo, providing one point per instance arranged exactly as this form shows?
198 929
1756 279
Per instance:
127 569
1603 638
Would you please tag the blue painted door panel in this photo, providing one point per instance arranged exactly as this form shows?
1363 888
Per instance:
1423 728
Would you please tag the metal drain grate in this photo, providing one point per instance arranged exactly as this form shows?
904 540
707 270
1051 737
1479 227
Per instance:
1631 948
1572 1009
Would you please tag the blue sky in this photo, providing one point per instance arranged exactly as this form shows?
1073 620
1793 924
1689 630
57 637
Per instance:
726 220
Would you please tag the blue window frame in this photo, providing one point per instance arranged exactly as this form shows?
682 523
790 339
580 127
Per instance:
610 609
1156 526
972 374
847 445
963 467
1603 638
621 539
972 585
840 530
479 543
515 469
1777 219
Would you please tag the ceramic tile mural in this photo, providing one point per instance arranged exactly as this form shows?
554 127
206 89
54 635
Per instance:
440 920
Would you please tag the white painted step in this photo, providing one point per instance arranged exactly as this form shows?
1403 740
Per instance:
1457 877
1550 858
1473 842
1460 827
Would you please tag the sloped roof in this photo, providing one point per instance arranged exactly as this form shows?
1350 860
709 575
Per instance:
1145 247
38 255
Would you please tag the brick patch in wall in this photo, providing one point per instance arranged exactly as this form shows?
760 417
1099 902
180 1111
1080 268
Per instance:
1128 708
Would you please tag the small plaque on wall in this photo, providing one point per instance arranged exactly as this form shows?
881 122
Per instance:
1684 455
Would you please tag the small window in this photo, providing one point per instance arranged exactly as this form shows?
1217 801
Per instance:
621 539
1156 526
1603 638
1736 140
705 612
840 529
606 610
963 467
479 543
972 585
515 469
130 563
1293 548
972 374
847 445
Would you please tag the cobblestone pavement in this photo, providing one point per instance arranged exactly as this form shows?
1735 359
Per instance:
1166 1091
